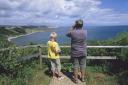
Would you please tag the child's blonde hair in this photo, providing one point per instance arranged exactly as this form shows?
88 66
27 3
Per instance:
53 35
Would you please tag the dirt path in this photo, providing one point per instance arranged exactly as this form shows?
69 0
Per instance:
66 81
41 78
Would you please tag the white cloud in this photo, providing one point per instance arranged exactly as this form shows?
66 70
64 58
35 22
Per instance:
57 11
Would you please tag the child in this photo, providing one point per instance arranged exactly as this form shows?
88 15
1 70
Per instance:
53 55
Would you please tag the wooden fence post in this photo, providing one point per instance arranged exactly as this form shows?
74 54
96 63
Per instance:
40 57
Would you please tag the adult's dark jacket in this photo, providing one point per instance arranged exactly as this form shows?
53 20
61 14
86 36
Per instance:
78 42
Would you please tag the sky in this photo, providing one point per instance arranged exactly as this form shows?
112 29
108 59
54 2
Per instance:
63 12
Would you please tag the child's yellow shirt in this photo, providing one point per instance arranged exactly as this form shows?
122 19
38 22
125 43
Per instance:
52 47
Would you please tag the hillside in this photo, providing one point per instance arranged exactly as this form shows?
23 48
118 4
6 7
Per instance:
12 31
5 33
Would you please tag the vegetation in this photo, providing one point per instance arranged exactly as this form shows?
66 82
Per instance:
18 70
14 68
28 74
96 77
118 67
4 42
12 31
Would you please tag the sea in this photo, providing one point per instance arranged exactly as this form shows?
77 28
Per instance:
93 33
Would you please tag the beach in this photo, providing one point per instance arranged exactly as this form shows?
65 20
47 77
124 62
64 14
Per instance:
17 36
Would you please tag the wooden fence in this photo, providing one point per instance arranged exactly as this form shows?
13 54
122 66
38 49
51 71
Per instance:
66 57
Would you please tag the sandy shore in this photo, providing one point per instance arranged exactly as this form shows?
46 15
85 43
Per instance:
13 37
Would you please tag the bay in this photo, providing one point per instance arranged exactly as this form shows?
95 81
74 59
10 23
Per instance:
93 33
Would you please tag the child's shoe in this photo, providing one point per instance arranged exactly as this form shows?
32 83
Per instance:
61 77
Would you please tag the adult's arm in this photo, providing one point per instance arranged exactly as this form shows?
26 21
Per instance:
69 32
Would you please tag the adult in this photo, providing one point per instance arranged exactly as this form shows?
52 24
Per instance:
78 50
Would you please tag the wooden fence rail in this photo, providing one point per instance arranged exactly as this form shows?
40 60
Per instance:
40 45
64 57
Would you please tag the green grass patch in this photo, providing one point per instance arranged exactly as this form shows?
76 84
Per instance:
97 77
40 78
28 74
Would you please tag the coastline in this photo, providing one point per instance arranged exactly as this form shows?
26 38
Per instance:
17 36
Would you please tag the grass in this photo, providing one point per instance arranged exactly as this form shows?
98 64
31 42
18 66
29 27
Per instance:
30 74
93 77
40 78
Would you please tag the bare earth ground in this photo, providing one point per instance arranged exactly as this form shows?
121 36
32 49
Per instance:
66 81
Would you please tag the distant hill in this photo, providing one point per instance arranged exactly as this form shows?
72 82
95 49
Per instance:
12 31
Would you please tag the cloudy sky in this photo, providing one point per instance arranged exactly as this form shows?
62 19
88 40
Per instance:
63 12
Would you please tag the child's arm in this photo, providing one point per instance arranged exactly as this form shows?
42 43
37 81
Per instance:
58 50
55 48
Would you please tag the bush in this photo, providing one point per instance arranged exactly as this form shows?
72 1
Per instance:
9 58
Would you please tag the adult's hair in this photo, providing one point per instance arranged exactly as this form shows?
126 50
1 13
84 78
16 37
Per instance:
78 24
